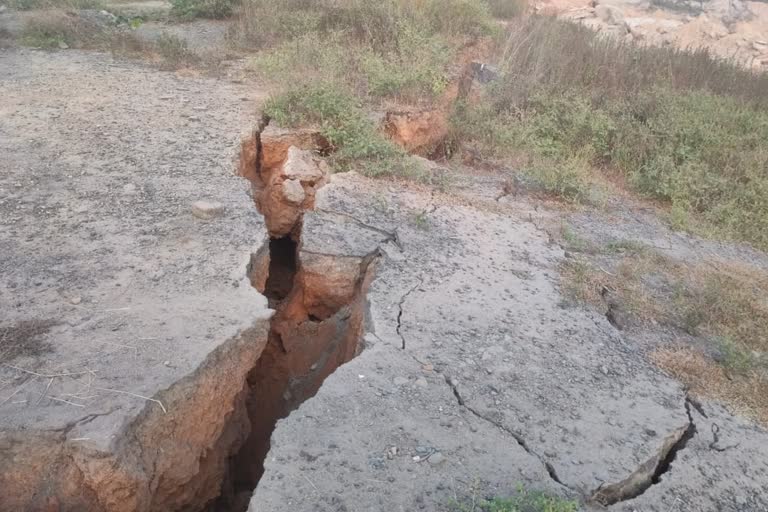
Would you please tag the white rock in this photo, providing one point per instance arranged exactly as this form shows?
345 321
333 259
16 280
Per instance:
207 210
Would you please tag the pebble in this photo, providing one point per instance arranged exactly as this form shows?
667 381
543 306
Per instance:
207 210
436 458
422 382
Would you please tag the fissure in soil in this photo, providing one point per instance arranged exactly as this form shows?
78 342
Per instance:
312 333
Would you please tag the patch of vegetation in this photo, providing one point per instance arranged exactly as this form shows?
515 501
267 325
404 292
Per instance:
722 303
27 5
352 54
58 29
506 9
356 141
377 25
420 73
524 501
745 394
682 127
392 48
174 51
212 9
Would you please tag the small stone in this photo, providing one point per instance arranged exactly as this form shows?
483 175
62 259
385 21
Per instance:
400 381
293 192
416 458
427 367
167 363
63 45
75 300
193 118
436 458
207 210
421 382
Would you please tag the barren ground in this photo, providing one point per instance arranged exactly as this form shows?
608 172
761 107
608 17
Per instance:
467 372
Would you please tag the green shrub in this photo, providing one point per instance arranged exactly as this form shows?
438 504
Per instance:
214 9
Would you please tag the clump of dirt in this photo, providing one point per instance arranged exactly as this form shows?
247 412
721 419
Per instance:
24 338
285 169
419 132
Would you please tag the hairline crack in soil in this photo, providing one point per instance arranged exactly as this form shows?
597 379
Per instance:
313 331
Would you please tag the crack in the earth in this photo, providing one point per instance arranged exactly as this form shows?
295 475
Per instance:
517 437
391 236
400 310
651 471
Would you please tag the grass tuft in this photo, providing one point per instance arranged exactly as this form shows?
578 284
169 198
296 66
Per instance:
523 501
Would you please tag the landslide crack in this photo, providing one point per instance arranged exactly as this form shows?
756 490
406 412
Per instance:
400 310
651 471
319 301
517 437
391 236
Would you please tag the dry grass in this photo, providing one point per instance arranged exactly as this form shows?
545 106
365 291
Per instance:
57 29
544 52
742 394
720 300
724 303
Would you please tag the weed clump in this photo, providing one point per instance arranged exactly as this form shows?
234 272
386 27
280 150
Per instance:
523 501
355 139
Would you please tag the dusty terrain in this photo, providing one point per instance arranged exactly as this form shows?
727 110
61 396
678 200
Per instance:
420 339
728 28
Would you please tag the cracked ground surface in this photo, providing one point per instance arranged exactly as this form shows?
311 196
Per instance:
101 163
498 376
476 377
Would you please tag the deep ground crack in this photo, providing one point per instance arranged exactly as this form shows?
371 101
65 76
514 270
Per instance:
651 471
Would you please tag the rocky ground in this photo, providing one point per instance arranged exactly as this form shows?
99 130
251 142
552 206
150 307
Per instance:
464 371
